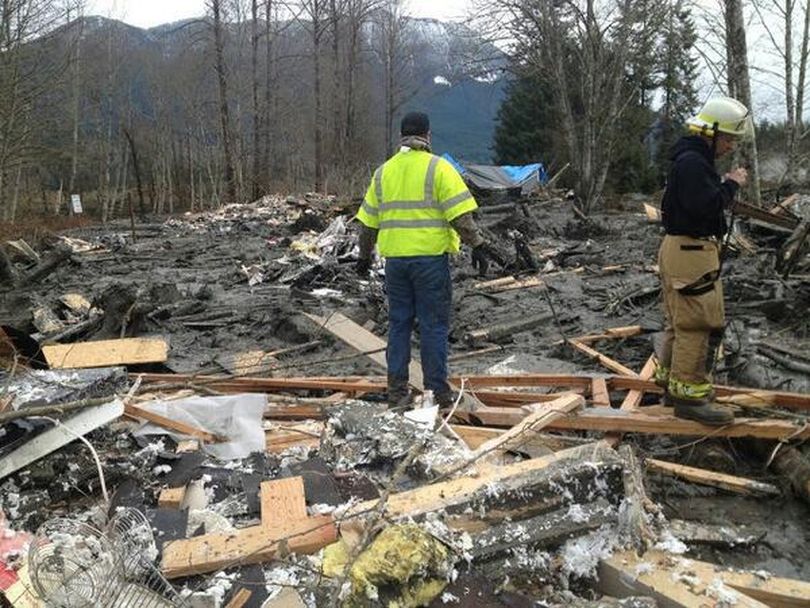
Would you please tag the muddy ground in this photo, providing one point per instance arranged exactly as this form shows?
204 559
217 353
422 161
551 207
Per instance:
222 283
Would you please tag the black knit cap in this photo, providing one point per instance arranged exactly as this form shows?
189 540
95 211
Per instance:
415 123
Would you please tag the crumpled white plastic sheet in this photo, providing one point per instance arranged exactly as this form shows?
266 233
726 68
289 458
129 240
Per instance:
237 417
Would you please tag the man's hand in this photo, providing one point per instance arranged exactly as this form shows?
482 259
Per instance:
739 175
482 255
363 266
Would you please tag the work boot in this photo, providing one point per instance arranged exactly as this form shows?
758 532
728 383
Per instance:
446 399
704 411
399 394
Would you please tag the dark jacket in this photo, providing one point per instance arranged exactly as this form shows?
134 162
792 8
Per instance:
695 196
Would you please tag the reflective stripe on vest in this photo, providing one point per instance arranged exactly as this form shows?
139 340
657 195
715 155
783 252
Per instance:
427 203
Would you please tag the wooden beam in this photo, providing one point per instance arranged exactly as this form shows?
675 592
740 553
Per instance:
540 417
283 501
600 397
239 599
611 333
624 574
474 436
646 421
732 483
604 360
779 208
634 397
106 353
133 411
365 342
254 545
171 498
456 494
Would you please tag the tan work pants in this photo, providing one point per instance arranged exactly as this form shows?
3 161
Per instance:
693 307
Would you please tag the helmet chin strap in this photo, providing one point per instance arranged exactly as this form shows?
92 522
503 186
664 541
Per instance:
715 133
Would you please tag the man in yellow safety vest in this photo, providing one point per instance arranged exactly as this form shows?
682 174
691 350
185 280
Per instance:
417 210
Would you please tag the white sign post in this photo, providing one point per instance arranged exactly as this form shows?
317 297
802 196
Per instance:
76 202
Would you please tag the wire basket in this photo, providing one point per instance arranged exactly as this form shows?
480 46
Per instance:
74 565
71 564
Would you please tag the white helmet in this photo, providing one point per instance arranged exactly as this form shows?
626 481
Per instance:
723 115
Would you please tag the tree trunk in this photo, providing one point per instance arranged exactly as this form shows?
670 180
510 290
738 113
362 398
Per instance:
316 50
74 161
224 114
137 168
254 60
740 87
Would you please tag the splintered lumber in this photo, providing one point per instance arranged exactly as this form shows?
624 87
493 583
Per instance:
254 545
609 363
780 208
646 421
676 581
505 330
757 213
240 598
283 438
634 522
600 396
283 500
534 484
653 213
249 363
668 580
285 528
475 436
352 384
542 415
727 535
106 353
611 333
732 483
633 398
365 342
540 531
133 411
171 498
54 438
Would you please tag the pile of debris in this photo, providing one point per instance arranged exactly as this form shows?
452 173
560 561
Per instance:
187 420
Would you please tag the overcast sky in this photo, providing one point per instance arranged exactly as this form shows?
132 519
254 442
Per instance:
148 13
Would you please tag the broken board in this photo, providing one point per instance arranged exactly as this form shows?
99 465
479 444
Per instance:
58 436
731 483
106 353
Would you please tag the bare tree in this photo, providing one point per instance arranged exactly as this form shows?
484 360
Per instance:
584 49
224 112
773 15
739 84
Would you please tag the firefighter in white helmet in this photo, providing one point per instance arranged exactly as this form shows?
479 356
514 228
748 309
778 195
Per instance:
689 258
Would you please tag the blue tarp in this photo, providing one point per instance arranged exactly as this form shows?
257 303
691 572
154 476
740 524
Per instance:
503 177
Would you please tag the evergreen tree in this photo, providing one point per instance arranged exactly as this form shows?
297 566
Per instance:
679 69
525 124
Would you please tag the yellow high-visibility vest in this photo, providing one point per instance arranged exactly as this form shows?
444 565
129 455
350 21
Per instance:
412 199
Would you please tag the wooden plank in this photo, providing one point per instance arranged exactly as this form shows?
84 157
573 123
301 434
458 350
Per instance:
666 579
609 420
283 501
279 439
171 498
653 213
456 493
732 483
241 598
780 208
600 397
187 445
134 411
106 353
571 380
757 213
364 341
634 397
54 438
609 363
798 401
248 363
254 545
541 416
474 436
774 591
611 333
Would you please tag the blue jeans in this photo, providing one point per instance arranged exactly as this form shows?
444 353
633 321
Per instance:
419 288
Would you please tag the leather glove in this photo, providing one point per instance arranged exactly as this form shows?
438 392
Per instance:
482 255
363 266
